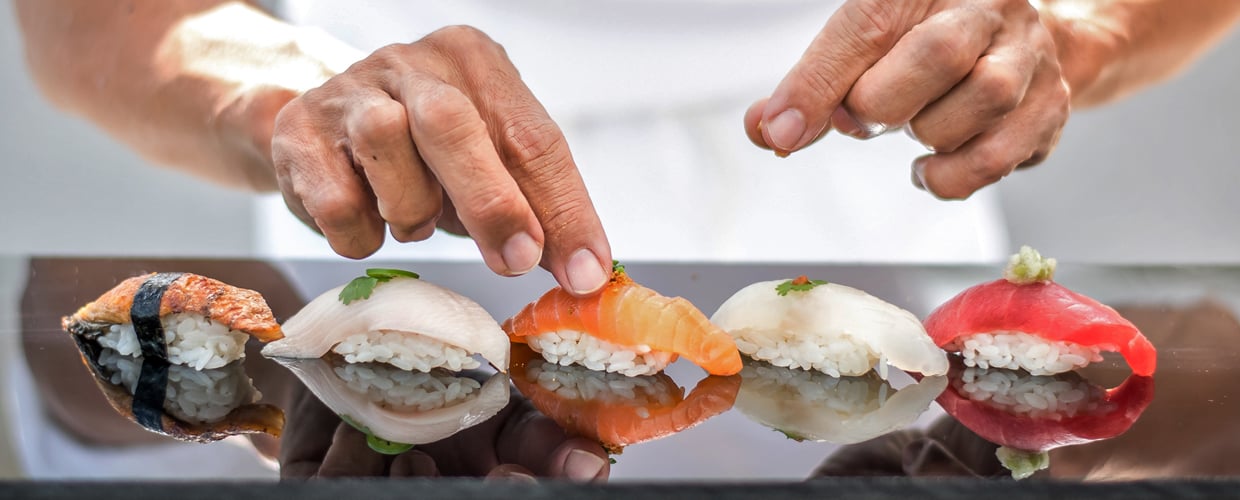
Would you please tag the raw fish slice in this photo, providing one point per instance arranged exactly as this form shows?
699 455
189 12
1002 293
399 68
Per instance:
407 305
813 406
153 411
829 313
614 410
1043 309
407 425
630 315
237 308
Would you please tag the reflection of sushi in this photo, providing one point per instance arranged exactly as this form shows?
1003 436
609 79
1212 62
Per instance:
1026 321
614 409
827 327
185 319
812 406
180 402
398 408
625 328
1028 415
407 322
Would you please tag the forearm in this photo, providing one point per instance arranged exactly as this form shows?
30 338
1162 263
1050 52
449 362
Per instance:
1110 48
193 84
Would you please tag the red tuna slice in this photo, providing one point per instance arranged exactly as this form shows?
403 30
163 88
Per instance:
1046 310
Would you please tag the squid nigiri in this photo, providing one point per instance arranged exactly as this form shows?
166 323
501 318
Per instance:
832 328
1027 321
613 409
393 316
625 328
185 319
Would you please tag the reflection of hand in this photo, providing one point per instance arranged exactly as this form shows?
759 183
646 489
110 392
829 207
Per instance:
978 81
384 141
517 443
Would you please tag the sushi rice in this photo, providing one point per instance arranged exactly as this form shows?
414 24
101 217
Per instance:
401 390
404 351
568 347
195 396
1022 351
1035 396
845 396
575 382
835 355
192 340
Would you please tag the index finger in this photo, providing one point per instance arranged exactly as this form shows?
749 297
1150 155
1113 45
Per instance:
856 37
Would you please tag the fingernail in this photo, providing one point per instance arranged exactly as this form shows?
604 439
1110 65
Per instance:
845 123
919 174
786 130
583 465
870 130
521 253
908 130
520 477
585 275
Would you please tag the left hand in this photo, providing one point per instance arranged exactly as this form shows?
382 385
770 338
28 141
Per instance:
976 81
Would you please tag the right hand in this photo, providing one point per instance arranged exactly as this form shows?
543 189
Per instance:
383 142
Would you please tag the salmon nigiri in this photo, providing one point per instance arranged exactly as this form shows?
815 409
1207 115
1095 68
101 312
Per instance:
625 328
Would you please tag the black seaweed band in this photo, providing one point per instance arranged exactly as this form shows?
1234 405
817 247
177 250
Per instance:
152 388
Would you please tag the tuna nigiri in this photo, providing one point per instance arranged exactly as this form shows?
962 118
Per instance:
613 409
393 316
1027 321
185 319
832 328
625 328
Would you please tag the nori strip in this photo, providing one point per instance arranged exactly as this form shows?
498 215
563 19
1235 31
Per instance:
145 315
152 389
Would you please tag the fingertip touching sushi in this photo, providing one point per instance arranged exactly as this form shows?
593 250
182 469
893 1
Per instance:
1028 321
625 328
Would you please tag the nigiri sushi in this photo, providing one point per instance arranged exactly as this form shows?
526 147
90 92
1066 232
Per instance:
395 408
625 328
1028 415
183 318
812 406
614 409
180 402
1027 321
398 319
832 328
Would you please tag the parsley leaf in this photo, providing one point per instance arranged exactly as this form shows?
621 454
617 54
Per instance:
617 267
361 287
800 284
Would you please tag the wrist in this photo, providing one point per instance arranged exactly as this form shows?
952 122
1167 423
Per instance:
1088 41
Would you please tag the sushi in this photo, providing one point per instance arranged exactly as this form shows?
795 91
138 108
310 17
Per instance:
400 320
812 406
1027 321
1028 415
626 328
614 409
183 318
398 409
835 329
180 402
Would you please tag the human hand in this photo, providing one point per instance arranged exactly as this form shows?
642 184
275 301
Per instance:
517 443
440 132
976 81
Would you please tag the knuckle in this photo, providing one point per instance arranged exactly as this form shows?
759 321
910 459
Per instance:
492 206
564 215
821 80
989 165
379 119
873 22
532 144
943 50
408 215
335 210
999 89
446 113
466 38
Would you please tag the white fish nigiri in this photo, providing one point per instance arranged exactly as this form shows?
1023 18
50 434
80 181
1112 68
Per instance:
406 322
811 406
835 329
402 407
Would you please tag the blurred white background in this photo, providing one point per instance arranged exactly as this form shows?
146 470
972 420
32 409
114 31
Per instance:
1150 179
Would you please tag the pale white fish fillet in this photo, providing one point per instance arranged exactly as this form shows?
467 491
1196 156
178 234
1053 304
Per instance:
833 311
408 305
791 409
408 426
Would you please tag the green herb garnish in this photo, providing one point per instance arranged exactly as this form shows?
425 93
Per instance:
361 287
791 435
377 443
617 267
800 284
611 460
1022 463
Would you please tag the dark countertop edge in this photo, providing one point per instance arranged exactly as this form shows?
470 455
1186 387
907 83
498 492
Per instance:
869 488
